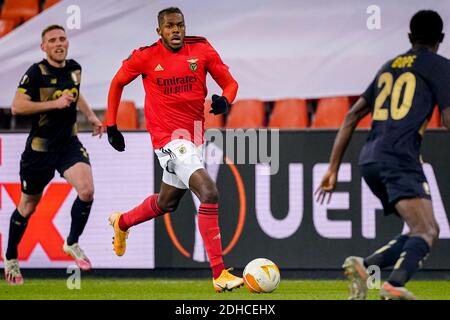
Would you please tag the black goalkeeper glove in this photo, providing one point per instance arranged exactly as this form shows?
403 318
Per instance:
115 138
219 105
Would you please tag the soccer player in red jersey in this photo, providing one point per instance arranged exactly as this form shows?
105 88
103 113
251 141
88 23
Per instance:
174 72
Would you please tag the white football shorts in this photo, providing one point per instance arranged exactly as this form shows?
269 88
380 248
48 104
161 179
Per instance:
179 159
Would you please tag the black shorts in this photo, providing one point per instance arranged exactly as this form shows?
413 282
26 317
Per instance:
37 169
392 183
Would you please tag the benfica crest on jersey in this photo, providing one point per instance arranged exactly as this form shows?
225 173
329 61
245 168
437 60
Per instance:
193 64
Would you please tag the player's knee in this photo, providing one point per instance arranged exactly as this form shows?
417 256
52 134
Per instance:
171 207
209 195
27 209
433 232
168 206
438 231
429 233
86 193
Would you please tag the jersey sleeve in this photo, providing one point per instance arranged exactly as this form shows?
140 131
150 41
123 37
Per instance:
133 66
369 94
440 83
29 83
74 65
215 65
221 74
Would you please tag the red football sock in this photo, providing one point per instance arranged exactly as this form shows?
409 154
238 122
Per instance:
208 223
145 211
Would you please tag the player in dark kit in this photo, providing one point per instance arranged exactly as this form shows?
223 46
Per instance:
50 93
401 99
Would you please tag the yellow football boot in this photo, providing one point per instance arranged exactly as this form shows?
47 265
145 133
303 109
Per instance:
227 281
120 237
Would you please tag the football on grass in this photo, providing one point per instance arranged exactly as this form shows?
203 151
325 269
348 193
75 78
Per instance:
261 276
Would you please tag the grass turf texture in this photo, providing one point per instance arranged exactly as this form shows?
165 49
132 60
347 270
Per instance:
151 289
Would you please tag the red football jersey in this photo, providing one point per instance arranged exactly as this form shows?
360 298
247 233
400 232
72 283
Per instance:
175 87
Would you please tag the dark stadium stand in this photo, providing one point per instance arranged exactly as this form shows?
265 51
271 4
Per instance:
285 114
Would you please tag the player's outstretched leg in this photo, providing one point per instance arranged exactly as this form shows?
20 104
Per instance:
355 267
387 255
424 230
356 273
121 222
208 223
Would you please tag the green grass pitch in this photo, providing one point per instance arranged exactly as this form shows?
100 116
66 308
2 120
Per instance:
160 289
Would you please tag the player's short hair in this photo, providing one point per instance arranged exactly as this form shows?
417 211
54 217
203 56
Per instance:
426 27
166 11
50 28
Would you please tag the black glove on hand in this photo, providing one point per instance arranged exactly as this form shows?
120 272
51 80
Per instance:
115 138
219 105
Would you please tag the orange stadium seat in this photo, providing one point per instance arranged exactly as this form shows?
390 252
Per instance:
6 26
127 116
49 3
330 112
435 121
212 120
246 114
20 10
366 122
289 114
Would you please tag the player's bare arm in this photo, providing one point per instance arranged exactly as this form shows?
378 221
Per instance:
359 110
22 104
90 116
